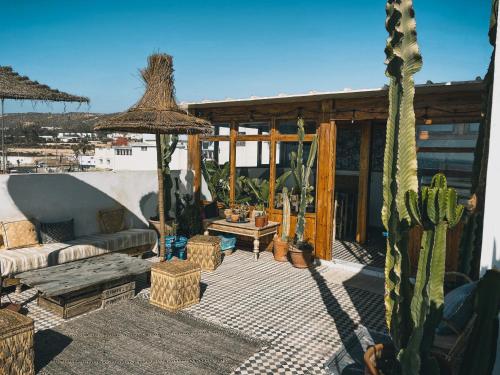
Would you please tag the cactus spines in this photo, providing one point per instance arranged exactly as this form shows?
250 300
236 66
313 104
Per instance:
285 221
302 174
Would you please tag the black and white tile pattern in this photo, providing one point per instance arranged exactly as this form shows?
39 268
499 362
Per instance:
366 255
304 316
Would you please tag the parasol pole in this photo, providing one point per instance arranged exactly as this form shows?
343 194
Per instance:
4 159
161 198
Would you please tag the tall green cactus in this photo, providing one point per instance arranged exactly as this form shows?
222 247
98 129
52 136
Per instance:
400 163
285 221
168 145
303 173
436 210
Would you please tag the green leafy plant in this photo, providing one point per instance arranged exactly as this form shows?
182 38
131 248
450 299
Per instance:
259 189
217 178
285 220
302 173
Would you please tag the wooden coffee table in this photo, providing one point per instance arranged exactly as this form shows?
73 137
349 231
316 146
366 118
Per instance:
75 288
244 229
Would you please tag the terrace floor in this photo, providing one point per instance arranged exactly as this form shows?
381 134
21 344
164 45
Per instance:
306 315
370 255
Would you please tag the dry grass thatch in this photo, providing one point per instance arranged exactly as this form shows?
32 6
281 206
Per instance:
157 111
15 86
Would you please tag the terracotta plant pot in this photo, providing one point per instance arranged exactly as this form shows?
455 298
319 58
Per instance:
280 250
301 257
235 218
261 221
370 359
228 212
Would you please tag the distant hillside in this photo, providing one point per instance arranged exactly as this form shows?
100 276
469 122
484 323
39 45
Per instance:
67 122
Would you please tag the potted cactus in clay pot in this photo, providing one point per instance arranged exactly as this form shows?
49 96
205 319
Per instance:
300 249
281 242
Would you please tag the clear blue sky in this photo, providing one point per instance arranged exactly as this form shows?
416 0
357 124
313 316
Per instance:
227 49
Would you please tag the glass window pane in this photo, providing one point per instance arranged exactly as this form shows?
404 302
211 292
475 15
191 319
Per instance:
222 129
284 151
447 135
215 169
253 128
348 147
290 126
252 172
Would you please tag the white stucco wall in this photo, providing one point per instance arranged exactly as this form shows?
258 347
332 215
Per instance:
53 197
490 254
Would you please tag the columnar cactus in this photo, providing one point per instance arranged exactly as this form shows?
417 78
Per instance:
400 164
302 174
168 145
436 210
285 221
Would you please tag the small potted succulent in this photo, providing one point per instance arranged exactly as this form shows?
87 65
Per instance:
260 215
281 242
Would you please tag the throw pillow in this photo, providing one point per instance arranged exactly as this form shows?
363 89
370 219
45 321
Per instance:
61 231
458 309
111 220
19 233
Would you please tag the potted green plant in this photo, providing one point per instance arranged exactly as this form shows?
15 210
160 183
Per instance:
301 250
413 311
281 242
260 215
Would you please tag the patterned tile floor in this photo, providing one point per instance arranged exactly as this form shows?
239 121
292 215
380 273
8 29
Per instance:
305 314
367 255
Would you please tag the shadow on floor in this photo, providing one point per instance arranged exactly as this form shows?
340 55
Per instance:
48 344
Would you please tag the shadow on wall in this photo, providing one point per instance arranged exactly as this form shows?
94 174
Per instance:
56 197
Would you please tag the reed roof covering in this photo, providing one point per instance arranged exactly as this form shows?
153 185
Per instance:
157 110
15 86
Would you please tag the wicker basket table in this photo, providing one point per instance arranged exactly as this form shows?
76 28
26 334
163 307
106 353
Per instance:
175 284
16 344
205 251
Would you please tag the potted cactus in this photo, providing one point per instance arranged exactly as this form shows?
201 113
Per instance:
281 242
301 250
412 311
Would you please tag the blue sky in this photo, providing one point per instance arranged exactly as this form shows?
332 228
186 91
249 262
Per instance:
228 49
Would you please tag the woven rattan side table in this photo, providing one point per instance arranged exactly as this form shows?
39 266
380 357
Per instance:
204 251
16 344
175 284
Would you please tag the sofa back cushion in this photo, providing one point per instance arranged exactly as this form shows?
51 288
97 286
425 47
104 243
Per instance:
19 233
111 220
61 231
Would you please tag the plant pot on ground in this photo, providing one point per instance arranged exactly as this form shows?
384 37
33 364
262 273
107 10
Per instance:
380 359
154 223
301 254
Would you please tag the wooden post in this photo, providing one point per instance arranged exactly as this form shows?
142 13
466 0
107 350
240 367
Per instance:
272 163
325 184
161 197
363 183
232 162
194 164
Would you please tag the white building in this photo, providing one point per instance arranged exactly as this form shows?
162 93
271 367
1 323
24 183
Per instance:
140 156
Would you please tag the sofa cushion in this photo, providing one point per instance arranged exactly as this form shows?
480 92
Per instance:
111 220
30 258
19 233
458 309
61 231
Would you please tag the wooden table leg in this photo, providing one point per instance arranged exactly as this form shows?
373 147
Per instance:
256 243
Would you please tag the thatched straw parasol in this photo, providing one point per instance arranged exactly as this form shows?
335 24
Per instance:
157 113
17 87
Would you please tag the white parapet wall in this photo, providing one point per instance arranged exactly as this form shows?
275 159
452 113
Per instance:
80 195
